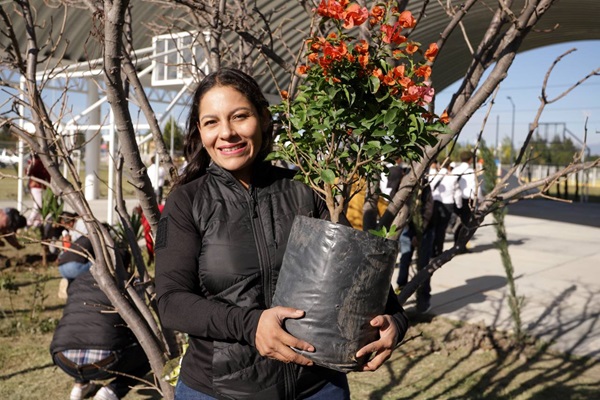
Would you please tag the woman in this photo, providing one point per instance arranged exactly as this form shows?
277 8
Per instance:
219 247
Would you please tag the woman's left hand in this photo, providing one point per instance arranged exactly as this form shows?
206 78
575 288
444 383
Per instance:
388 332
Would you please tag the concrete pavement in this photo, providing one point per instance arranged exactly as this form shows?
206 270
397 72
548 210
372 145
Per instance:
556 265
555 249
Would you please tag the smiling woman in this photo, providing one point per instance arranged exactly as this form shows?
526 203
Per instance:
231 130
219 248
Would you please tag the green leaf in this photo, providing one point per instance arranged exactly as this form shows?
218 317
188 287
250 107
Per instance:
380 133
328 176
392 231
374 83
387 148
390 116
382 233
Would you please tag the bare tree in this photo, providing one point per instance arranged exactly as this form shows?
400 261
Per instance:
235 33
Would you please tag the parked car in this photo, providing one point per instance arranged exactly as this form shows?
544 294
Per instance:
8 158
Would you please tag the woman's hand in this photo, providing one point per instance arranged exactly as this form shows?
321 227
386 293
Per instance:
274 342
388 332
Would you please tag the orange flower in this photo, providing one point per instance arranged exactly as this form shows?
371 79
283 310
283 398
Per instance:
302 70
336 80
431 52
336 53
325 62
410 95
284 94
424 71
388 79
391 34
418 94
411 48
378 73
398 72
397 54
363 60
362 47
332 9
343 49
355 16
316 44
406 20
377 14
350 57
445 118
405 82
313 57
332 36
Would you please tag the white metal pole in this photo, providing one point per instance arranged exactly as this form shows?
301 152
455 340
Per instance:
21 147
112 147
93 140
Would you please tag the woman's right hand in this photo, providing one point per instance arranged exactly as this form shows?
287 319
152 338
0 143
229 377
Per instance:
274 342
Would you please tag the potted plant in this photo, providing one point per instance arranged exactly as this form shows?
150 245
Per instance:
361 105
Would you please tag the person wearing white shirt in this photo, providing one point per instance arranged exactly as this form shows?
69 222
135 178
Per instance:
467 193
444 186
156 173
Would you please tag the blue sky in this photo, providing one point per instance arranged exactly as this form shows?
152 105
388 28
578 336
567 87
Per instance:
523 84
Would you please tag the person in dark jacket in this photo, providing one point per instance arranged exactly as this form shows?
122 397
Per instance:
92 342
418 234
219 248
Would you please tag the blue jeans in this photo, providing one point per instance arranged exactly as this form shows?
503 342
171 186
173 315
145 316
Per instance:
406 254
72 269
335 390
184 392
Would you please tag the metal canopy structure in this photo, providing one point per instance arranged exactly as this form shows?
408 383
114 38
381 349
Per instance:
566 21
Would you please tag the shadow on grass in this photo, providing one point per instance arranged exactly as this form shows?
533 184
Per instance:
8 314
448 360
25 371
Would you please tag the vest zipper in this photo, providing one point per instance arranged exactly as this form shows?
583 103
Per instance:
261 246
263 259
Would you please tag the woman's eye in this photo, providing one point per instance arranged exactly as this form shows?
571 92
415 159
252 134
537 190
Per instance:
208 123
240 116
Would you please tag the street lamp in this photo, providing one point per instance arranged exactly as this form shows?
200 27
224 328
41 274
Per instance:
512 131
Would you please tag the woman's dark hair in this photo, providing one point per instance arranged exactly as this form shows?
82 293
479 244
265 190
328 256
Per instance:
196 155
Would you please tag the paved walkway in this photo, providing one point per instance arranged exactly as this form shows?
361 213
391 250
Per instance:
557 268
555 249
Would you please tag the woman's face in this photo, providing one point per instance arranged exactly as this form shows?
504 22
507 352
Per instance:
230 130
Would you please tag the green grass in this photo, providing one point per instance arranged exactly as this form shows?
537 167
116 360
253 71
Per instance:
29 311
441 359
9 185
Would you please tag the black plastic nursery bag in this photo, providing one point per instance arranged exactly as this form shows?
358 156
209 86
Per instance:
341 278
